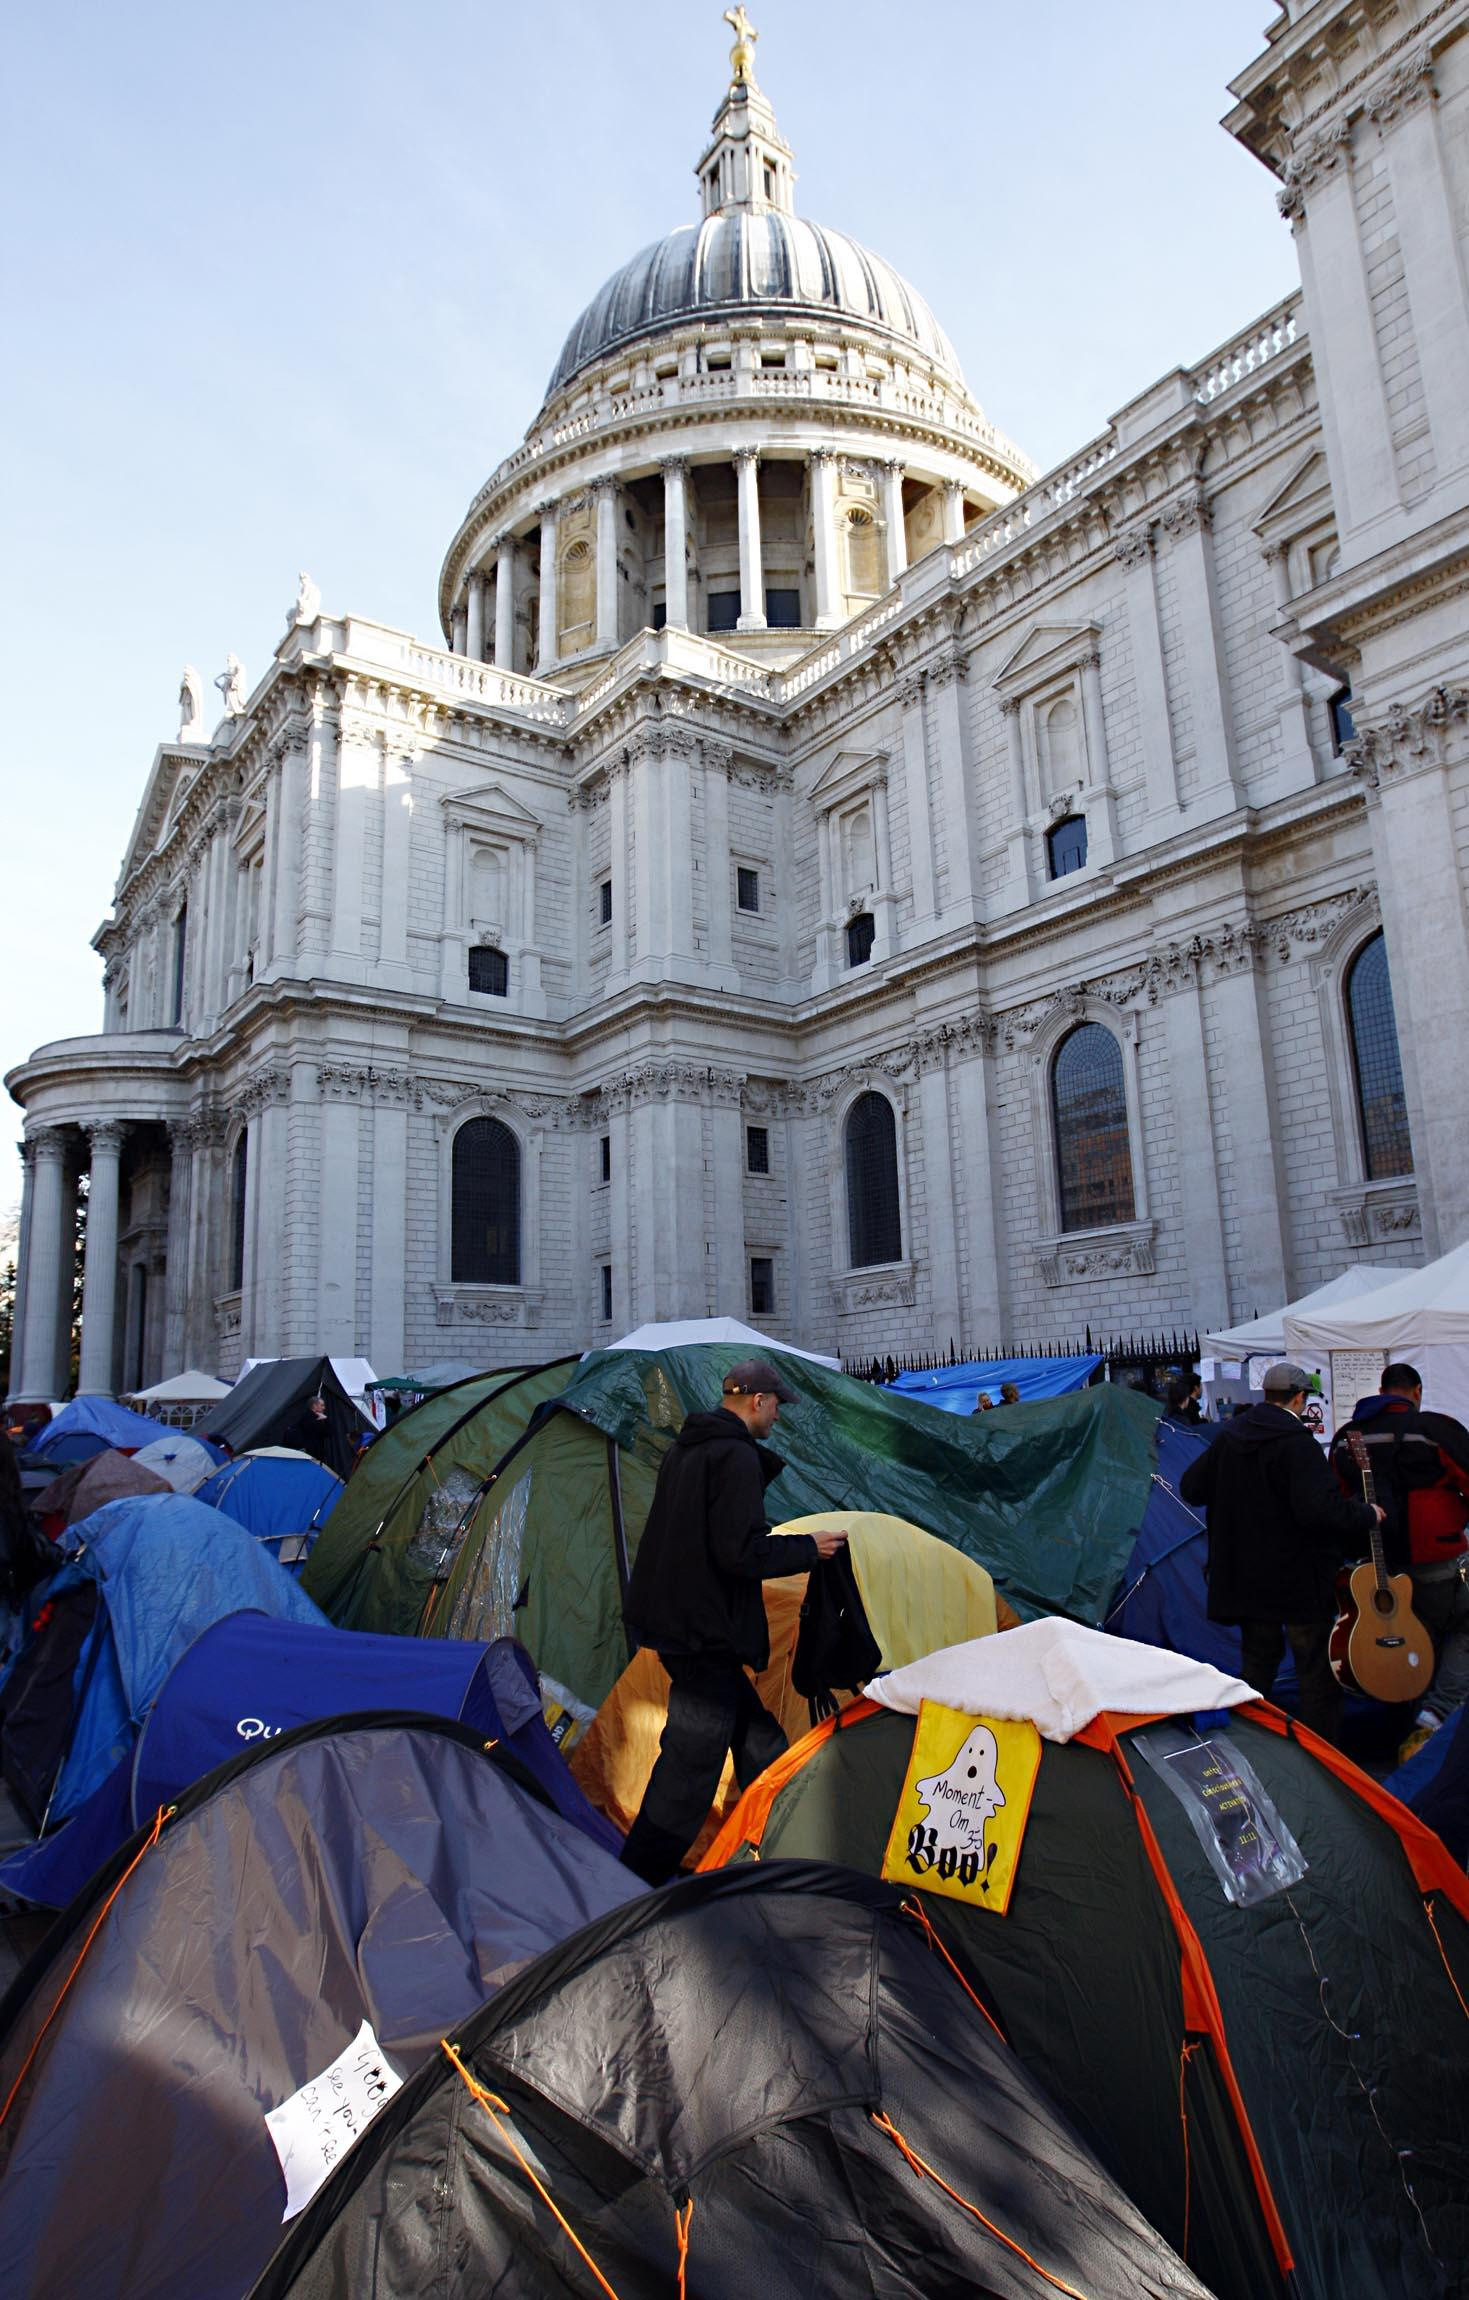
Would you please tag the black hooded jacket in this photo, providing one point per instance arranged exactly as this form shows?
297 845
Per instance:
706 1547
1279 1524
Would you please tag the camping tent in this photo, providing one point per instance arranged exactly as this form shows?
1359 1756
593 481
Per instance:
185 1389
280 1495
755 2083
1163 1598
153 1573
955 1389
98 1417
270 1405
252 1677
1422 1316
537 1538
183 1462
84 1486
390 1873
1265 1337
1278 2082
689 1333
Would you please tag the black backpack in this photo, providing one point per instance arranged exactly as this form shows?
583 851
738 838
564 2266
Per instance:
836 1646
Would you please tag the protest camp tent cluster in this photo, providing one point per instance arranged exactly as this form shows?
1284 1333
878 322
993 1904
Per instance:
762 2082
270 1405
537 1537
382 1871
89 1425
1279 2083
279 1494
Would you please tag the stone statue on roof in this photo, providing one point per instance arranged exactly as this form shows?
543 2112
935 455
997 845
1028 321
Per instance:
742 54
191 706
308 600
231 684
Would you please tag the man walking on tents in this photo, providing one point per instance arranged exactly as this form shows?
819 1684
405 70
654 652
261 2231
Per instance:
1279 1529
695 1596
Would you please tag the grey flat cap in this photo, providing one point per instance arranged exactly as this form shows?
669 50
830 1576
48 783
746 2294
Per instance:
758 1374
1286 1378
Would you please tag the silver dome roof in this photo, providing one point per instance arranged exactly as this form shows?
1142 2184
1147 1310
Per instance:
743 260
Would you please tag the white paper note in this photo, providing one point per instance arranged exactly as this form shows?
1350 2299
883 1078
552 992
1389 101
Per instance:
314 2129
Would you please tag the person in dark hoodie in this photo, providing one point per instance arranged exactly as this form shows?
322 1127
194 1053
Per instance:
1420 1472
695 1596
1280 1527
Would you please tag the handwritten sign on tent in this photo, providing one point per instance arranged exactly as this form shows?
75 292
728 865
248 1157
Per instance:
965 1802
314 2129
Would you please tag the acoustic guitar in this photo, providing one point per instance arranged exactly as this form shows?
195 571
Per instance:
1378 1646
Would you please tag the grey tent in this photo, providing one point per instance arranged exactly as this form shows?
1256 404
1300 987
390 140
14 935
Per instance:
390 1870
269 1405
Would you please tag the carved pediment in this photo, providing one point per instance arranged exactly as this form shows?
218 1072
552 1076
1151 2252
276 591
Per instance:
1301 503
173 772
847 775
490 807
1046 652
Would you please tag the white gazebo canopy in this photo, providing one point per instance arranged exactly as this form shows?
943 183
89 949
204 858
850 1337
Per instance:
682 1333
1265 1337
186 1389
1422 1317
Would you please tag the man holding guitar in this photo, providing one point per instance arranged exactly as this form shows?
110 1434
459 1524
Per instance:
1279 1529
1419 1464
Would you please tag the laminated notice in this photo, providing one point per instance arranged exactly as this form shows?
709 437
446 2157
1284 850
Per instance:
1248 1845
314 2129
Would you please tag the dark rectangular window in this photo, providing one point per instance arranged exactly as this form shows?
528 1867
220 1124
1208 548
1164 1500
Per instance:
660 615
757 1149
606 1149
724 610
762 1286
861 934
783 610
606 1293
180 960
604 903
1066 846
1343 727
747 888
489 972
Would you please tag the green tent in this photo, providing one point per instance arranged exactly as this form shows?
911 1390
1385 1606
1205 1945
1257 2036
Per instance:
516 1503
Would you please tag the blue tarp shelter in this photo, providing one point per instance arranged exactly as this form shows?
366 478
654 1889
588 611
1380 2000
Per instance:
102 1418
278 1495
152 1574
1435 1783
955 1389
250 1678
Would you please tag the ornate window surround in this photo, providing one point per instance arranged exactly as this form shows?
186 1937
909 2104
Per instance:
1116 1249
490 819
875 1284
1371 1213
850 780
513 1306
1054 663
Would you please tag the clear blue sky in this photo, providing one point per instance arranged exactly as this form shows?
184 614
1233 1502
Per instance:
283 284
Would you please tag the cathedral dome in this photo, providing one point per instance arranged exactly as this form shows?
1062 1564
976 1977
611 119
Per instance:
746 260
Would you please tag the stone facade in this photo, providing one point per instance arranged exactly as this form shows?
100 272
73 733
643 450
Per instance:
764 640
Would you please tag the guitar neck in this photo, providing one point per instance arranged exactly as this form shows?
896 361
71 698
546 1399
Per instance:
1357 1447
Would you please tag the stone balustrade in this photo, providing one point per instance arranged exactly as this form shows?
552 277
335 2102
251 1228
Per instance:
1260 343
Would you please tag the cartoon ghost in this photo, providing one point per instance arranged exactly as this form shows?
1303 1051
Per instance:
963 1801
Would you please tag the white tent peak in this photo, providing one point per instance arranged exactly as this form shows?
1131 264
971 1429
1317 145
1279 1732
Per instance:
685 1333
1060 1676
1421 1308
1265 1337
188 1388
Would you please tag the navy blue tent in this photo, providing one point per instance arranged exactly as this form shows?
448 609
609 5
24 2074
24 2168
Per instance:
386 1874
250 1678
283 1497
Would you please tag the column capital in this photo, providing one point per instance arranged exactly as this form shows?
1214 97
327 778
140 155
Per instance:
48 1142
893 465
674 466
609 484
745 455
953 487
1192 514
546 510
1134 547
105 1134
823 455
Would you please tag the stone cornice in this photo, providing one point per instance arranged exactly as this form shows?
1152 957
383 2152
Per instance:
1327 65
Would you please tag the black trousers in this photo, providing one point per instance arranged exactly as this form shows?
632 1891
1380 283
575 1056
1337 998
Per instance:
713 1711
1263 1646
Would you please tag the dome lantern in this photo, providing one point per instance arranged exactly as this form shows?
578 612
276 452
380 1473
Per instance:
748 163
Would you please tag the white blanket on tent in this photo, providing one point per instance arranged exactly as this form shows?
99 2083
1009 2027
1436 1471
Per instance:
1060 1676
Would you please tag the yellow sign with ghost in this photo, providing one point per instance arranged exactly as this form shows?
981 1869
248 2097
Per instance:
965 1803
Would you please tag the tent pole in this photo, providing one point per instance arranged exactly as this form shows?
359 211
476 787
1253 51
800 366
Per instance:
619 1529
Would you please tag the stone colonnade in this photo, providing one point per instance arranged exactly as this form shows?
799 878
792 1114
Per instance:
485 620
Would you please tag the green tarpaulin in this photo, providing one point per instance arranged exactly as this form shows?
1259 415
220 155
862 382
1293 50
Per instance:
427 1539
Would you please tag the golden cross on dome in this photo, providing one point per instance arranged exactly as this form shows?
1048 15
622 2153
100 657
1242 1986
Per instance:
742 54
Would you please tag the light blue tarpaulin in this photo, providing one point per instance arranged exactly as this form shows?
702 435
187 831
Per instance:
165 1568
100 1417
955 1389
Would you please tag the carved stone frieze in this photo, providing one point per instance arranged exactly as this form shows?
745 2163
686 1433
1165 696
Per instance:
1124 1253
473 1306
266 1086
882 1290
345 1082
1409 738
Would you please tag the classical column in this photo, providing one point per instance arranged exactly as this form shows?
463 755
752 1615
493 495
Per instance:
458 631
22 1263
1346 355
505 604
546 636
1296 769
752 587
1134 553
176 1279
953 511
946 677
48 1260
1188 524
606 494
892 505
474 626
676 541
1424 219
823 464
290 809
915 787
1099 798
99 1279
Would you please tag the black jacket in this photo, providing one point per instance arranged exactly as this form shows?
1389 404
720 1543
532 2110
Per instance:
1279 1524
706 1547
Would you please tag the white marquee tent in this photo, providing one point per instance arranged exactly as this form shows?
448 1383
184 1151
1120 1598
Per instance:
1423 1317
679 1333
1265 1337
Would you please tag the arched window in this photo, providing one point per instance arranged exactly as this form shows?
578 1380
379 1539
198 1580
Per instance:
239 1175
874 1219
1376 1066
1066 846
486 1209
861 934
489 971
1089 1108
